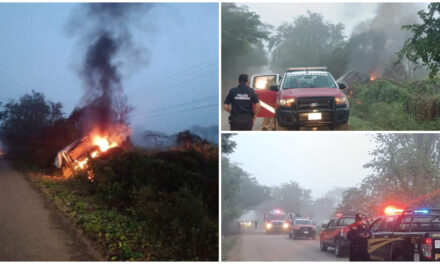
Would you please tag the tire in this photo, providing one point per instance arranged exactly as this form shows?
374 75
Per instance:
338 250
322 246
277 125
343 126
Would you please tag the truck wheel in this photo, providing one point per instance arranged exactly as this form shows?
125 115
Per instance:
277 125
322 246
338 249
343 126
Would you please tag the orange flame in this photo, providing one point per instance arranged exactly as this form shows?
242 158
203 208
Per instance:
372 77
103 143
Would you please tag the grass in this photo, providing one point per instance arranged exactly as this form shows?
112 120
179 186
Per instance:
228 243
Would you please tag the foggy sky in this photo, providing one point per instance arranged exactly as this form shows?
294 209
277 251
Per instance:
349 14
317 161
37 54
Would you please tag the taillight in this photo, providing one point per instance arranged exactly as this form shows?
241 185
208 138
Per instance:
426 247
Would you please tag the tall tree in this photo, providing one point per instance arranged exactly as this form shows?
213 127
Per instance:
423 49
308 41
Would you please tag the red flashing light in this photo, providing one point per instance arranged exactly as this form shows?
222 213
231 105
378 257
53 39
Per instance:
428 241
338 215
390 210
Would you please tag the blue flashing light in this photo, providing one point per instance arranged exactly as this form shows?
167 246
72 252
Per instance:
421 211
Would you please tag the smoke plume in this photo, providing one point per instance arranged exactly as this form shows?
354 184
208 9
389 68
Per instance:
106 45
374 43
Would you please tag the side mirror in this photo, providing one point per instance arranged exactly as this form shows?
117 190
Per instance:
324 226
342 86
274 88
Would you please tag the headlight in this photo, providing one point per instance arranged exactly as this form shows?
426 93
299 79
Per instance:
287 102
341 100
268 225
285 225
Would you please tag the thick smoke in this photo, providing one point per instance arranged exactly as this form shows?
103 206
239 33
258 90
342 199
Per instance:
374 43
106 45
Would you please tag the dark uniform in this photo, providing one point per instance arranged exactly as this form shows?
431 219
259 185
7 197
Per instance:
358 244
241 99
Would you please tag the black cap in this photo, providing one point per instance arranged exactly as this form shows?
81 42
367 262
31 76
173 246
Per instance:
243 78
359 216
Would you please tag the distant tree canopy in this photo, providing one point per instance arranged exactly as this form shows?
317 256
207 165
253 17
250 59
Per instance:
423 48
309 41
406 173
33 129
242 40
228 145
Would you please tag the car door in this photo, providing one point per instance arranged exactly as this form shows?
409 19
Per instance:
330 234
261 84
379 243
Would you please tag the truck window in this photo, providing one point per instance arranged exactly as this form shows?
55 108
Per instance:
346 221
304 79
331 224
387 224
303 222
375 226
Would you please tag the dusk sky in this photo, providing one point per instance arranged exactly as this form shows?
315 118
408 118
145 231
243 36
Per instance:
177 89
318 161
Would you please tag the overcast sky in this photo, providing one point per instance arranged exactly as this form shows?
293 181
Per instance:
317 161
36 54
350 14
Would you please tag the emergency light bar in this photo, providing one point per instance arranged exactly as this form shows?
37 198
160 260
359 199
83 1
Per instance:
307 69
421 211
389 210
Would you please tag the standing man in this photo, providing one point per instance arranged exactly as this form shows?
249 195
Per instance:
357 235
239 102
256 223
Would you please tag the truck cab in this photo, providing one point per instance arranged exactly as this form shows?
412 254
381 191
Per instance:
334 234
275 222
302 227
406 235
306 98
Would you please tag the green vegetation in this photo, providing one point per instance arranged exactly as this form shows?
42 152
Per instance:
406 172
422 47
392 105
145 207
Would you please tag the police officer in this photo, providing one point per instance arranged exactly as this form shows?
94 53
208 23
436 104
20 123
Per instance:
357 235
239 102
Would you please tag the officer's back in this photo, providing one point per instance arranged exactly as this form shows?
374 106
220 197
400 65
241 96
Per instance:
239 102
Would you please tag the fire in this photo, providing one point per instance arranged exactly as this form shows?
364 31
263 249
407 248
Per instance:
103 143
372 77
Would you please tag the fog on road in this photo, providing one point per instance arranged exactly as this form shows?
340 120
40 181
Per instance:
255 245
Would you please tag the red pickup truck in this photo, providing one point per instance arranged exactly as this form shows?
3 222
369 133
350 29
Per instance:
334 234
306 98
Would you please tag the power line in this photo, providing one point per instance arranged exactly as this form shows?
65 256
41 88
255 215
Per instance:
198 100
181 111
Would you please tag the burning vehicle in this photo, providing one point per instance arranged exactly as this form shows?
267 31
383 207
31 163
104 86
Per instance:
77 155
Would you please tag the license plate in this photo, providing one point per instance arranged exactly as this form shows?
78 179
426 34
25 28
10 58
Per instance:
315 116
306 232
437 244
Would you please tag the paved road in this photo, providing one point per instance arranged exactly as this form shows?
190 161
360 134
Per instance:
255 245
29 228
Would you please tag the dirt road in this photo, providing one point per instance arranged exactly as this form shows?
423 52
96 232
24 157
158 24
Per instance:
30 229
255 245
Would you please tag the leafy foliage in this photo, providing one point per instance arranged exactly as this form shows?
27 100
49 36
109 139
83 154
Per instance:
391 105
147 207
423 48
309 41
242 40
406 173
33 129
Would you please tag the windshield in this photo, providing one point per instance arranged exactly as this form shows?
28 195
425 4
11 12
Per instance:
276 217
345 221
303 222
302 79
264 82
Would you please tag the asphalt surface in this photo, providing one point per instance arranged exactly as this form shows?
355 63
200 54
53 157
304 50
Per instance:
255 245
258 125
30 228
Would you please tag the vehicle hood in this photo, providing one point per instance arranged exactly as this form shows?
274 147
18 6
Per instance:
305 226
311 92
